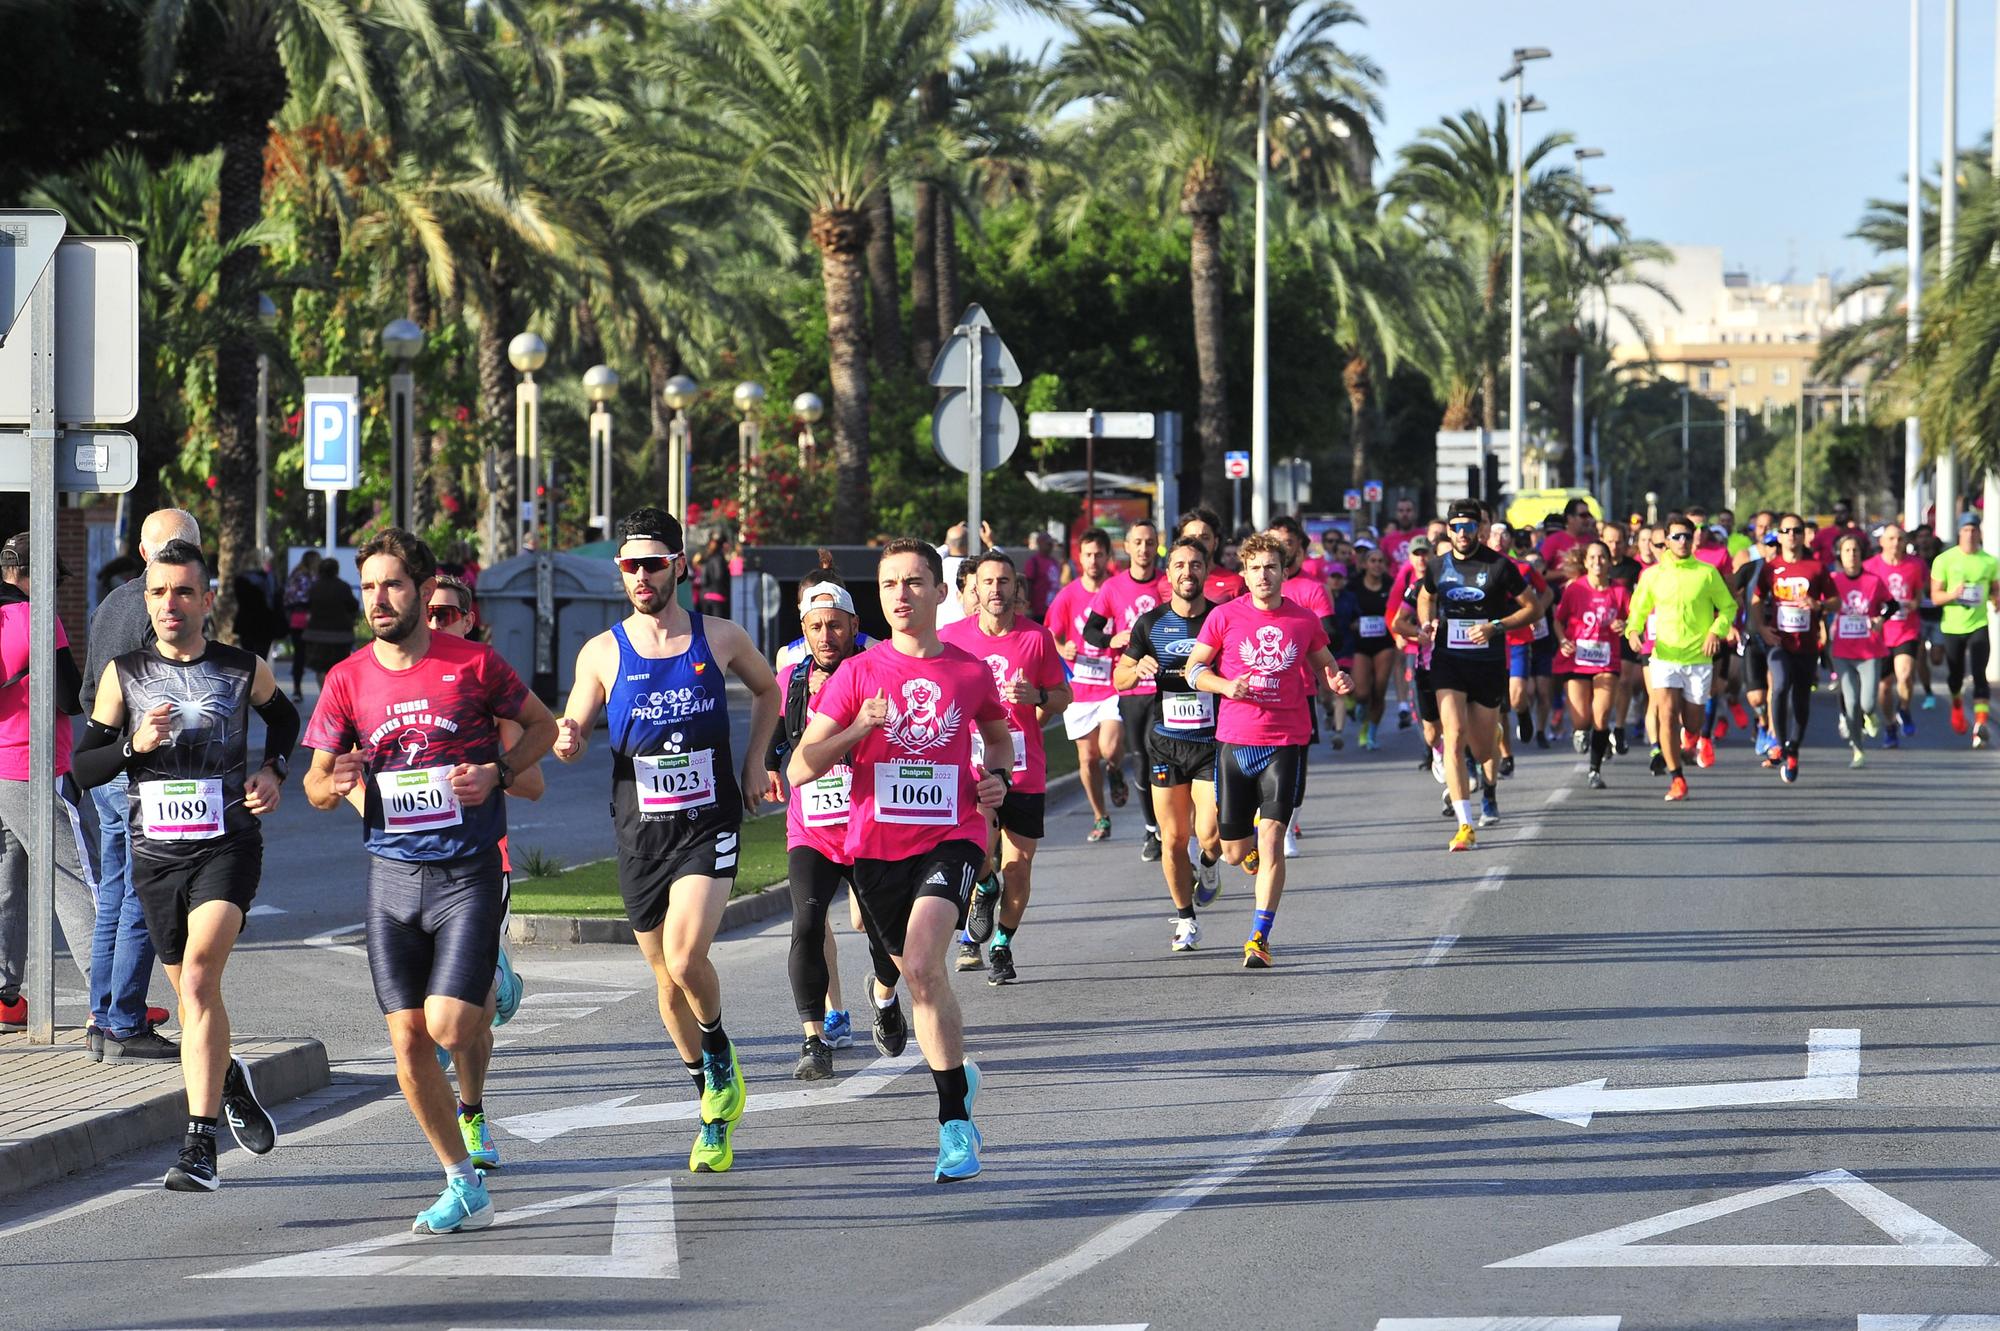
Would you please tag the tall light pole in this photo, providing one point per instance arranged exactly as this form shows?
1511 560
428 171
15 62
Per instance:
749 400
600 385
1516 372
1947 462
1991 514
1586 462
267 315
528 353
1260 350
1913 449
680 393
402 339
808 408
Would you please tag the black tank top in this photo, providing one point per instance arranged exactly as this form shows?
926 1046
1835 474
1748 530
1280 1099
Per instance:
195 782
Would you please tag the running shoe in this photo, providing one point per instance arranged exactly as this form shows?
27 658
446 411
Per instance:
1120 792
1446 810
1362 742
1466 838
1741 717
1909 726
509 986
1618 741
1524 727
1659 762
1541 739
1489 809
1256 953
959 1140
1000 965
1776 757
1789 773
1579 740
1100 830
1721 732
195 1170
478 1141
460 1206
1889 739
1291 842
1250 863
1506 765
838 1029
1187 934
892 1031
1149 849
1979 737
255 1132
1704 753
969 958
815 1060
1957 716
724 1093
1207 879
1596 780
980 916
714 1149
1870 725
1764 742
1677 789
1338 742
1403 718
1841 725
1857 760
1930 702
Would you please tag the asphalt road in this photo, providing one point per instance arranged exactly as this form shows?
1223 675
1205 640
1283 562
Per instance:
1785 989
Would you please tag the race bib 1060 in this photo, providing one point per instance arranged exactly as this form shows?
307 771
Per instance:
924 794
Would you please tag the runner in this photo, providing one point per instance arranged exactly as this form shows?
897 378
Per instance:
1681 612
1028 673
1788 603
1183 739
1402 594
1907 581
1262 655
1623 572
902 717
1117 606
1310 595
677 803
1092 719
1374 648
1862 607
1530 669
1202 524
413 717
1478 597
1965 582
1590 621
173 718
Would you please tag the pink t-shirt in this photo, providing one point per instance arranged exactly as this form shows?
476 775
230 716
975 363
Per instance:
1271 647
816 815
1308 594
1121 600
1406 578
1396 546
1718 555
1313 566
1090 672
14 730
913 778
1585 616
1907 581
1555 545
1851 626
1025 652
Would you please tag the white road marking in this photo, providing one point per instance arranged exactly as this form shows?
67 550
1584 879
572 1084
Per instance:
619 1112
330 940
1919 1240
1833 1072
643 1247
1927 1322
600 997
1493 879
1108 1326
1439 947
1292 1112
1557 796
1498 1324
1368 1027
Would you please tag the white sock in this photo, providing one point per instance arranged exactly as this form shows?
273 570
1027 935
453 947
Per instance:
886 1003
465 1171
1468 811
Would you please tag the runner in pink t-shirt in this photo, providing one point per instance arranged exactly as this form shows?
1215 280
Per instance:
1860 612
1113 611
902 715
1590 621
1263 656
1091 720
1907 580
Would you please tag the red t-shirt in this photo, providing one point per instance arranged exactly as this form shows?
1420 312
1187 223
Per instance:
1585 616
1090 672
914 778
1121 600
1854 635
1396 546
1222 585
1308 594
1555 545
1538 627
1791 591
1027 652
1907 581
1272 647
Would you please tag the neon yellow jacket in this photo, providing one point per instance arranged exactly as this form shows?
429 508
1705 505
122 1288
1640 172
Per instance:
1688 600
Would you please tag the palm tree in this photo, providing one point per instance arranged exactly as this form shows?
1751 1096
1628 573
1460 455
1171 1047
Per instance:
1950 381
1174 86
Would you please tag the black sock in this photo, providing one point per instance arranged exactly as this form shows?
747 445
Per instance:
468 1110
1207 860
694 1071
713 1040
1186 912
200 1127
951 1089
1600 744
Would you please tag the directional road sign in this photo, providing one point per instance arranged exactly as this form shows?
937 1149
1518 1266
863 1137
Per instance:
1090 424
954 358
97 336
28 240
969 424
951 430
333 432
87 461
1236 465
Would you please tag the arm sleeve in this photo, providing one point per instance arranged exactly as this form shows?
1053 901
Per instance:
1097 629
281 725
99 755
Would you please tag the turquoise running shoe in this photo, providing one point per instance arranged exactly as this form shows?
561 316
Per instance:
838 1029
461 1206
959 1140
479 1141
723 1093
510 986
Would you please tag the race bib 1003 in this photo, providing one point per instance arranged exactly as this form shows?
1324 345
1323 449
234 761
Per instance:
421 800
671 782
1187 711
924 794
181 810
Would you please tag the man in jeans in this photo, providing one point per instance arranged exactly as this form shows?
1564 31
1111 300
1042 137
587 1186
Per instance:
121 953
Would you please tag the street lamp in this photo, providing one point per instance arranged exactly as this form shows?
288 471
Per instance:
1585 154
600 386
267 316
808 408
528 353
1516 371
1260 318
680 393
749 400
402 339
1588 464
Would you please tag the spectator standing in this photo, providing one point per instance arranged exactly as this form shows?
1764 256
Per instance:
330 613
298 604
715 577
259 622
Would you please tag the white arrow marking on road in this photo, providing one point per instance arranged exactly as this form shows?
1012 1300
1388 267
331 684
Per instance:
619 1112
1442 945
1919 1240
1498 1324
1833 1072
1926 1322
643 1247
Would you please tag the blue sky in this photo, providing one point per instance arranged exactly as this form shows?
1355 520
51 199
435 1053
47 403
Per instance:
1761 126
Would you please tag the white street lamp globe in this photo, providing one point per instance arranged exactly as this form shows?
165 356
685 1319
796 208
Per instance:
600 383
808 408
749 398
528 352
680 392
402 339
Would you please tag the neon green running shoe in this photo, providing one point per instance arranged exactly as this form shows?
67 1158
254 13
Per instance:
714 1148
479 1141
723 1092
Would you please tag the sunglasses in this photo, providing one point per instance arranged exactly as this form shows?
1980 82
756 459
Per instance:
444 616
1464 526
1790 531
646 563
1659 545
1680 536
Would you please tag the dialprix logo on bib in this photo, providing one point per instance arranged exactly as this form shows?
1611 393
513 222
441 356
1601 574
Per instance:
406 779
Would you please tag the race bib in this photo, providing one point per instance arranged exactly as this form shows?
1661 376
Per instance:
1374 626
418 801
824 802
1593 653
1091 669
1020 749
924 794
1851 626
1651 620
1458 635
1971 593
181 810
1187 711
1794 618
670 782
1541 629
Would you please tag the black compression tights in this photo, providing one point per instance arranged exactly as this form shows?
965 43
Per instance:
1791 694
1967 653
815 880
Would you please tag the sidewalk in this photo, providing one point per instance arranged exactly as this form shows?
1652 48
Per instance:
60 1112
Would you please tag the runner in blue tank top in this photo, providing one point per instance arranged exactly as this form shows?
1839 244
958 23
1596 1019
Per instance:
677 797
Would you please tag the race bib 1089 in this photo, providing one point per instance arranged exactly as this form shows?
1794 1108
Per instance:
181 810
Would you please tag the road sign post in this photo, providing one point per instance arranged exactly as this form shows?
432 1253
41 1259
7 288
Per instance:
333 441
972 429
1236 466
1372 492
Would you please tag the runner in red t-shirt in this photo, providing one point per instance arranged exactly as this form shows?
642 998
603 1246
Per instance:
1590 622
1907 579
1124 597
1854 628
1091 720
1788 601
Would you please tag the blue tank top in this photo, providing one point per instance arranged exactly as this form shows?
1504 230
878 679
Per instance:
672 776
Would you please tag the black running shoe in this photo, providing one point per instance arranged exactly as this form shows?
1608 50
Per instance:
1001 965
969 958
1120 792
1541 739
1524 727
1149 849
148 1043
815 1060
255 1132
1659 764
891 1031
1618 740
980 917
1506 764
195 1170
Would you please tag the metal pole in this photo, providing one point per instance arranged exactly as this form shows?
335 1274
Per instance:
1729 455
1260 336
1948 503
975 388
544 528
1686 484
263 451
402 413
677 453
1799 457
1515 390
332 538
604 474
1090 471
42 435
521 472
1913 449
592 425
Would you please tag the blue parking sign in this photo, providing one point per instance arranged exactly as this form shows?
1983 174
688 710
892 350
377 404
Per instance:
332 414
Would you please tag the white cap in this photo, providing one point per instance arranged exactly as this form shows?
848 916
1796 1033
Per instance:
825 596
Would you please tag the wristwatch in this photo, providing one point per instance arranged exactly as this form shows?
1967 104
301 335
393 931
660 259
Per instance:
1041 697
280 765
506 773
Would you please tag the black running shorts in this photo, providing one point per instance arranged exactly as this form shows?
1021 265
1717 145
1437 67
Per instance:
889 889
169 890
1255 781
647 883
1177 762
434 928
1482 681
1023 814
1427 698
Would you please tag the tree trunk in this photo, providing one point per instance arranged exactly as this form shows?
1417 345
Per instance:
842 237
423 487
1458 412
923 278
1209 282
1359 381
447 483
1489 374
496 400
1489 397
949 306
885 293
662 364
1565 404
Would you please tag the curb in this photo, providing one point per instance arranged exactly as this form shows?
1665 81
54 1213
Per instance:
752 909
284 1070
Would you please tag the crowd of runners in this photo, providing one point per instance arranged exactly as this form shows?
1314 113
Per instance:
914 770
